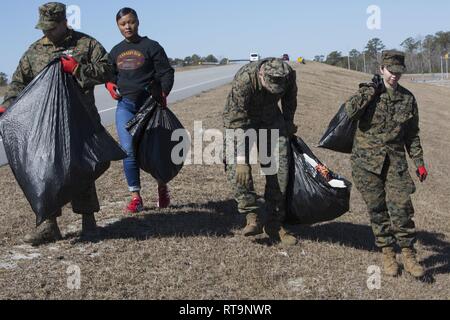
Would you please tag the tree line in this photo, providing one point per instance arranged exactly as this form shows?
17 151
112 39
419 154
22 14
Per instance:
423 54
195 59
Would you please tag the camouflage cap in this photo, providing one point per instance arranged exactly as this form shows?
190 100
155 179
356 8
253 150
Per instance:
50 14
276 74
394 61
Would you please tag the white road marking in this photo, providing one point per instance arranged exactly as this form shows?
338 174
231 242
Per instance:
202 83
185 88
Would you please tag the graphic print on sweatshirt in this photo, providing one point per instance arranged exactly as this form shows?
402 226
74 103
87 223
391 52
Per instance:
130 60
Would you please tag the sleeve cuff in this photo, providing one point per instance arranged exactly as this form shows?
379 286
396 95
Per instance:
7 103
419 163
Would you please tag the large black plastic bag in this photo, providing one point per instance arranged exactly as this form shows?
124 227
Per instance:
152 130
55 148
340 133
311 199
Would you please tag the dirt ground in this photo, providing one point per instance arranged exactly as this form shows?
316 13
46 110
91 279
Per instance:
194 250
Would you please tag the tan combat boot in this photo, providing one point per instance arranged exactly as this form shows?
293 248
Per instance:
253 227
277 233
47 232
390 265
287 238
411 264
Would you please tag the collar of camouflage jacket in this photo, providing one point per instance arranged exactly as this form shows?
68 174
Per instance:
67 38
396 95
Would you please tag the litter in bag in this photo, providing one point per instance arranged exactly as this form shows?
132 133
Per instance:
340 133
54 144
315 193
152 129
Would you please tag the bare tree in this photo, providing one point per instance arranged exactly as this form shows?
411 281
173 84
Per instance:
355 57
373 50
429 46
411 46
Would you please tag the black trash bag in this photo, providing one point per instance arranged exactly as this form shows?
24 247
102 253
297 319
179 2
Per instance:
310 197
54 146
340 133
152 130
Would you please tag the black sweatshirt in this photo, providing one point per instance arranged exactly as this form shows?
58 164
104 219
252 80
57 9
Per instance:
137 65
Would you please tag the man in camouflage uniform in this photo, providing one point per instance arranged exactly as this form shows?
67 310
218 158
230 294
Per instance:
253 104
87 60
388 124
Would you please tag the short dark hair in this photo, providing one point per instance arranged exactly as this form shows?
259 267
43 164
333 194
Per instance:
126 11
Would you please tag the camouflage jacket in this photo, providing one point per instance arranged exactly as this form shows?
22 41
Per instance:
249 105
387 126
93 69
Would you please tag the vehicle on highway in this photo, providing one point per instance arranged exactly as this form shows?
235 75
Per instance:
254 57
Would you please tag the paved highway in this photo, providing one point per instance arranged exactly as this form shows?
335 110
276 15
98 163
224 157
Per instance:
187 84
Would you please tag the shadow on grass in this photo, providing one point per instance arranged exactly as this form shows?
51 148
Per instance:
439 261
340 233
221 218
210 219
361 237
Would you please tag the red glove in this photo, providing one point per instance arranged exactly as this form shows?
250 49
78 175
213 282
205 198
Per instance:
69 64
2 110
422 173
112 88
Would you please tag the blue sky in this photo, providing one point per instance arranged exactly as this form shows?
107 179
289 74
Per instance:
235 28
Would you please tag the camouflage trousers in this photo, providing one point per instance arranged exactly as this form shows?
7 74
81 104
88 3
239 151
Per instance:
86 202
276 184
388 198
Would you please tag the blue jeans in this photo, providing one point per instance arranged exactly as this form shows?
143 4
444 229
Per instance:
126 110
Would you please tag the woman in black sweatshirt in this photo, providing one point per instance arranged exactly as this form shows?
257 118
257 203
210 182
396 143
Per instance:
141 69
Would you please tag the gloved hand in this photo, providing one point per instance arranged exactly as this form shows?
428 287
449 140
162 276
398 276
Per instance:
422 173
291 129
2 110
69 64
378 84
154 88
112 88
244 175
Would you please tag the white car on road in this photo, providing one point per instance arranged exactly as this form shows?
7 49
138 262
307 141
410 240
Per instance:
254 57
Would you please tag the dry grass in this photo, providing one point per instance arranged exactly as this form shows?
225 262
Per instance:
194 250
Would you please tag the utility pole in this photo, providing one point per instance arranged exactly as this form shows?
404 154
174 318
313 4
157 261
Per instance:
442 68
364 55
446 63
349 61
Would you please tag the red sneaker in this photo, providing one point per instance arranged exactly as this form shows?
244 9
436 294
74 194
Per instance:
135 206
163 198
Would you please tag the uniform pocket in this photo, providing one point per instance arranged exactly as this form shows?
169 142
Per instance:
403 113
402 116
